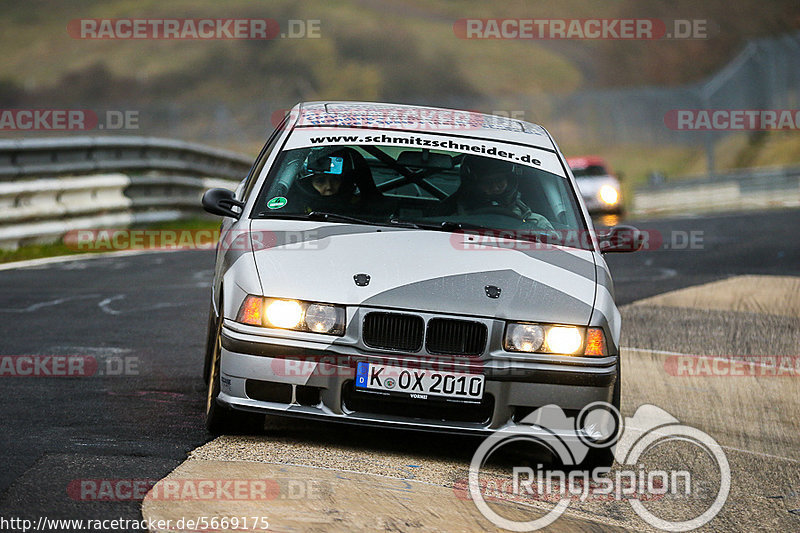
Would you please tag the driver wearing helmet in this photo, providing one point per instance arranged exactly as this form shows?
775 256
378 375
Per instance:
491 185
326 180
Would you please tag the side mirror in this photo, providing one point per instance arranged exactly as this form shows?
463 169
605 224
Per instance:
621 239
221 202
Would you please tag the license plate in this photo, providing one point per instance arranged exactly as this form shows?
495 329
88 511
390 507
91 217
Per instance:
418 383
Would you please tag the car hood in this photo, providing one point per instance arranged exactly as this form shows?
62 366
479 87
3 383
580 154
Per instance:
424 270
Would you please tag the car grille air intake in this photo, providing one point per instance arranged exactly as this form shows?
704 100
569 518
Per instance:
455 337
393 331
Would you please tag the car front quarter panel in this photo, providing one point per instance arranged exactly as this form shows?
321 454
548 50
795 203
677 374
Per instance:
239 280
606 314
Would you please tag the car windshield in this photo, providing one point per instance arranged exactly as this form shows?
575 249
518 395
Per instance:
412 187
591 170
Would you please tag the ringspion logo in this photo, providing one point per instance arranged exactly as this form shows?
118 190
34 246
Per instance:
597 426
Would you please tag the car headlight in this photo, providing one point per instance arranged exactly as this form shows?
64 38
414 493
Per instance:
321 318
563 339
553 339
525 337
292 314
609 194
285 314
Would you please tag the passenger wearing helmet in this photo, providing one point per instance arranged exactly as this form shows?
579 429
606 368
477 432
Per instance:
492 186
326 181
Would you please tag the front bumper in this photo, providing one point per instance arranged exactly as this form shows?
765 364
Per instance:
303 376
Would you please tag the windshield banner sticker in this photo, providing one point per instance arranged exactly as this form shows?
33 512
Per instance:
524 155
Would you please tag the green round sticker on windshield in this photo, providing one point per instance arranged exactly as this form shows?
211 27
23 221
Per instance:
277 202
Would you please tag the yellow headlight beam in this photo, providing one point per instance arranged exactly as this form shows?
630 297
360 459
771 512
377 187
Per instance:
284 313
609 194
562 339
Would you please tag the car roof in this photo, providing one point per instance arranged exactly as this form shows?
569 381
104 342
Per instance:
421 119
586 161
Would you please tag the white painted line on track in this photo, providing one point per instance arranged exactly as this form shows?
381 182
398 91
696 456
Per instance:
49 303
77 257
104 304
730 359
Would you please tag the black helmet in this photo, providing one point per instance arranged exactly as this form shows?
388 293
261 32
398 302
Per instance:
477 172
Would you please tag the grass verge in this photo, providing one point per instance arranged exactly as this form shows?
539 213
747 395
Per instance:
55 249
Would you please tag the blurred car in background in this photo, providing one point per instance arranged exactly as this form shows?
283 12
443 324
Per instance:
598 186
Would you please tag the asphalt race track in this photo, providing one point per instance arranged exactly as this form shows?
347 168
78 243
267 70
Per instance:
142 318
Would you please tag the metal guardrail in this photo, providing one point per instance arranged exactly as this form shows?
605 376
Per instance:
84 155
753 188
49 187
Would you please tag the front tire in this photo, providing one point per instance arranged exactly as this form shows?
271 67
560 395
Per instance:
220 419
604 457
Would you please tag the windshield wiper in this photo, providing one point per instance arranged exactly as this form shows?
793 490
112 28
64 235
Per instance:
454 227
404 223
440 226
314 215
333 217
320 215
